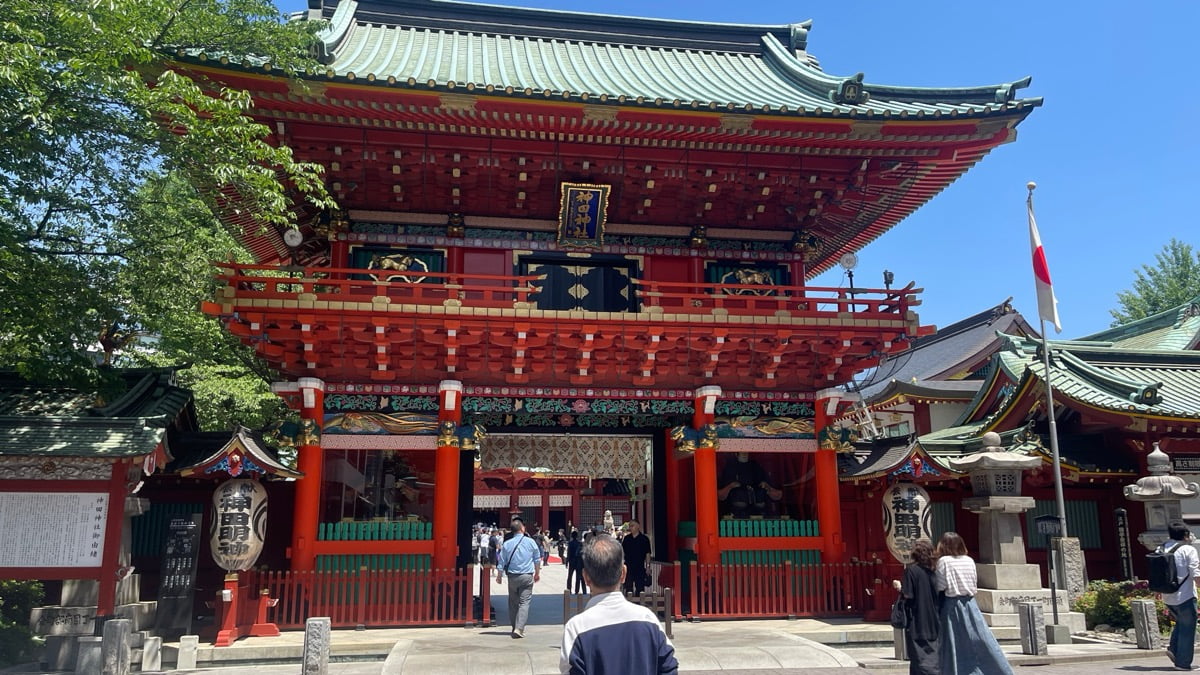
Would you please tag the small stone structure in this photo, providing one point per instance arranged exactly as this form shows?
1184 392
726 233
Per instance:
1160 493
1005 578
316 646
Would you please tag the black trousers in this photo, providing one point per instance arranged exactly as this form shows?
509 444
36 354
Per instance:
576 569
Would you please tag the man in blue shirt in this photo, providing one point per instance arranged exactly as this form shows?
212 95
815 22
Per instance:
520 560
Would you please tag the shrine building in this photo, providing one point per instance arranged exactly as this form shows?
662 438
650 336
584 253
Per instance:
576 248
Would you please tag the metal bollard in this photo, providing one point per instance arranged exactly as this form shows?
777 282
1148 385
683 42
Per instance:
899 643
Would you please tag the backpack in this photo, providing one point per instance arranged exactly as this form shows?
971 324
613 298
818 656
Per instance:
1164 575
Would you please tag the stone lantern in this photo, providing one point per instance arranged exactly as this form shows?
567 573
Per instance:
1161 493
996 481
1005 578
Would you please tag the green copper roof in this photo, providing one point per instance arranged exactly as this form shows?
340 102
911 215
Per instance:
37 419
80 437
1154 383
1175 328
575 56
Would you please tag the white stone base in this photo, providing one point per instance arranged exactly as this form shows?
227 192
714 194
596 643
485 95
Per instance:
1005 601
1073 620
1008 576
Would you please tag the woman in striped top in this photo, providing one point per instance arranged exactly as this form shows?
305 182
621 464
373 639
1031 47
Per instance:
967 644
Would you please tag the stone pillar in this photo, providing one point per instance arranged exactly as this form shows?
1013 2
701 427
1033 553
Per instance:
114 647
310 460
316 646
1145 624
1072 568
189 645
152 654
1032 617
1160 494
90 656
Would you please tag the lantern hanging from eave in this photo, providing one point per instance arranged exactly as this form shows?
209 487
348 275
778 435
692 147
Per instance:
907 518
239 523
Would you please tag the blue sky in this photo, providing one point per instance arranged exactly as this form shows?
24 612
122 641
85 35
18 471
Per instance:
1113 149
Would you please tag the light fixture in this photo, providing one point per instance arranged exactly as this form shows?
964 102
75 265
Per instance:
888 278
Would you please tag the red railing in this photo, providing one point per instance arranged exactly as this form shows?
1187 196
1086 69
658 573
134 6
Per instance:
273 282
767 591
371 597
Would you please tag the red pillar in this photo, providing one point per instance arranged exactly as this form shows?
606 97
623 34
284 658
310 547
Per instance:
310 461
546 511
829 509
708 544
110 559
445 478
673 497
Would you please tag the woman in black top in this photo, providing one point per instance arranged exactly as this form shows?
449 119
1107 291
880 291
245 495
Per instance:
919 595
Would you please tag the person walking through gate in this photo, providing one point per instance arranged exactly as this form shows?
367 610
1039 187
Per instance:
637 558
521 561
921 601
1182 603
575 563
967 646
613 635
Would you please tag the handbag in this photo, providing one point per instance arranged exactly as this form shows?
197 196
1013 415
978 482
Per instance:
899 613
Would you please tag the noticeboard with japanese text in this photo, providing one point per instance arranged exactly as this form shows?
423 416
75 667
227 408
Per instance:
53 529
177 583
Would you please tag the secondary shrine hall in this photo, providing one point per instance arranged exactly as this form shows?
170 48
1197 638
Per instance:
572 255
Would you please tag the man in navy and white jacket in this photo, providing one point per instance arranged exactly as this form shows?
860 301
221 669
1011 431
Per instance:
613 635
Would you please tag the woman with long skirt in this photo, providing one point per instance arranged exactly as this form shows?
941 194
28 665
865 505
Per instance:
967 644
918 588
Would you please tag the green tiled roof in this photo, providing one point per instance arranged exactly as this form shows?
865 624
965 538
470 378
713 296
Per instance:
37 419
1157 383
577 56
1175 328
80 437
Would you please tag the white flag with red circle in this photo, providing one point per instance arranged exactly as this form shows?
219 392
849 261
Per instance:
1047 303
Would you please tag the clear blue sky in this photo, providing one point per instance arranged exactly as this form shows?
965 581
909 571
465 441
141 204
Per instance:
1113 149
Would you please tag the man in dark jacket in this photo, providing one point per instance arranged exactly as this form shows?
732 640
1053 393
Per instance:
613 635
575 563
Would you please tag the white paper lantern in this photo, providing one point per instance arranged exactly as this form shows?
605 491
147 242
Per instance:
239 523
906 519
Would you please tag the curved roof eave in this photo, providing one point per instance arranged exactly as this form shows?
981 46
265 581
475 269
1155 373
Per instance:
823 83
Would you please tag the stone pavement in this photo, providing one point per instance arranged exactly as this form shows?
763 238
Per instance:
773 647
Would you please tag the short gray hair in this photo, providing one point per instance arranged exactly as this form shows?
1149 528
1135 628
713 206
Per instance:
602 560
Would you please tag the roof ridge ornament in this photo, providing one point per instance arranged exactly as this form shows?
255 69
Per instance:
1006 93
798 36
850 91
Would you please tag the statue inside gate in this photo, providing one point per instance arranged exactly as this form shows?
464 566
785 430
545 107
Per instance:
745 489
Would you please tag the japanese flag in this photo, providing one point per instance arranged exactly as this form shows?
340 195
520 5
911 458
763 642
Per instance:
1047 303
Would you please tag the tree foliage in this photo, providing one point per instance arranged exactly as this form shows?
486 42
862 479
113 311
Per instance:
109 156
1171 282
93 121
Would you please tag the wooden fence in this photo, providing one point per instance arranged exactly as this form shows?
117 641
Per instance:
765 591
373 598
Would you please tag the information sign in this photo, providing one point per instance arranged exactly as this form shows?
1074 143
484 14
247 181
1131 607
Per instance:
53 529
177 585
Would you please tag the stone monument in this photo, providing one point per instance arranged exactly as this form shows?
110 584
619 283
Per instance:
1160 493
1005 578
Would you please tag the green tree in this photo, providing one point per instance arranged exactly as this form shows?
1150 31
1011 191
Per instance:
164 277
1173 281
96 128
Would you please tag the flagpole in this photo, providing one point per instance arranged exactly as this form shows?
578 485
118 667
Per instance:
1060 503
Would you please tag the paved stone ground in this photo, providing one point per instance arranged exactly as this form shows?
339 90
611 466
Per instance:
818 647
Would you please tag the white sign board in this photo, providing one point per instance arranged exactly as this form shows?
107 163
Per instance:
53 529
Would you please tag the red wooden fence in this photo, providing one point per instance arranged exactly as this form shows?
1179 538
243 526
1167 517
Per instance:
765 591
371 597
